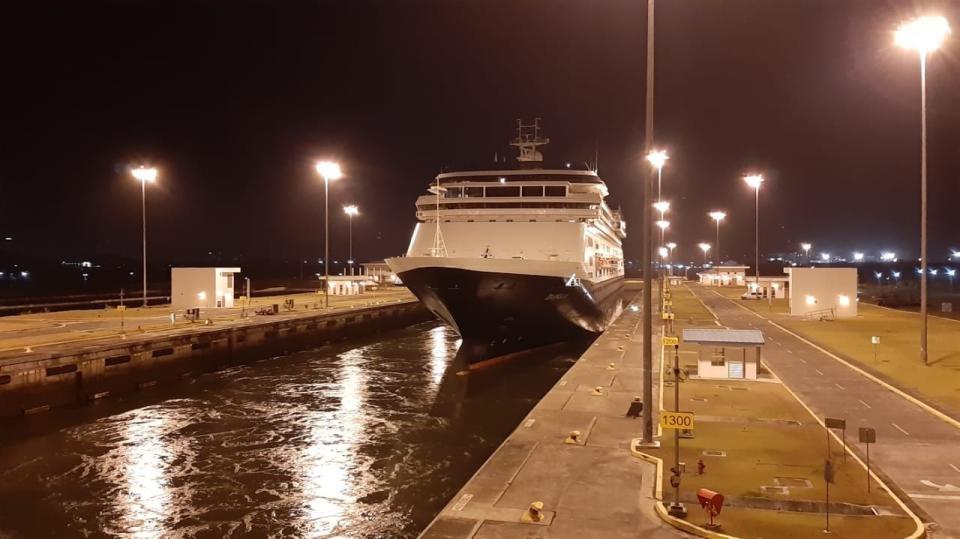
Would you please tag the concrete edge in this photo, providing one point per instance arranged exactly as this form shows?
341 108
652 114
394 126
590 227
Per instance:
909 312
921 530
661 509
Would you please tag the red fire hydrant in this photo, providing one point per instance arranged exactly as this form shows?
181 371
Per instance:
701 467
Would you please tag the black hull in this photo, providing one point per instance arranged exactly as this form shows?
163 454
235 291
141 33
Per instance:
503 313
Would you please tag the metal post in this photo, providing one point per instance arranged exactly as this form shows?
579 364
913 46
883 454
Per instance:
121 309
647 242
326 242
923 207
351 242
678 509
718 242
757 238
868 468
828 506
143 199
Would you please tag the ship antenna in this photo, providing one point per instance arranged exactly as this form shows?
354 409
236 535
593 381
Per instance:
596 157
528 140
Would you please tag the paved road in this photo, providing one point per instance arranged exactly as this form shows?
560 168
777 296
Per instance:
917 450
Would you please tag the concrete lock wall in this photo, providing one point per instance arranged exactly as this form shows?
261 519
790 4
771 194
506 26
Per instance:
819 289
37 384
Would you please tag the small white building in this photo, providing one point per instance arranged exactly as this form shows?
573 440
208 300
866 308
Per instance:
726 354
823 292
724 276
770 287
206 288
346 285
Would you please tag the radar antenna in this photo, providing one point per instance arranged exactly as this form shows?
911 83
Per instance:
439 248
527 141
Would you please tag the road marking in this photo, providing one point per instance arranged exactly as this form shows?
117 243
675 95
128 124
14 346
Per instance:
803 360
946 487
789 351
839 386
868 406
899 428
932 496
955 468
819 372
529 423
462 502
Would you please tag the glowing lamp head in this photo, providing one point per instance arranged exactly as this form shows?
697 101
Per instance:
671 246
950 272
858 257
753 180
953 254
201 296
888 256
329 170
825 257
806 246
811 300
662 206
351 210
843 300
145 174
663 252
657 158
717 216
923 34
704 247
663 224
896 275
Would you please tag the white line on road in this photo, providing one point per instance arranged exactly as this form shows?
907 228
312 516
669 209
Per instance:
955 468
863 403
819 372
789 351
839 386
801 359
899 428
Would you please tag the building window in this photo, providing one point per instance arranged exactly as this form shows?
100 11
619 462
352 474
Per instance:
505 191
532 190
555 190
472 192
718 357
454 192
229 280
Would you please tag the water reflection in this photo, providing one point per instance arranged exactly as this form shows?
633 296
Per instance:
368 439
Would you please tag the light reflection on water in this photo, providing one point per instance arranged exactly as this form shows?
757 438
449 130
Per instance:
355 440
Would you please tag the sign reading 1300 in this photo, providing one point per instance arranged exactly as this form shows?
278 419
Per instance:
676 420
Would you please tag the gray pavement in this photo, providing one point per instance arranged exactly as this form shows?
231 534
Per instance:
594 488
918 451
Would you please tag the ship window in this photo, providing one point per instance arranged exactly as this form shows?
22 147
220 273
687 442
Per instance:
532 190
454 192
556 190
472 192
511 191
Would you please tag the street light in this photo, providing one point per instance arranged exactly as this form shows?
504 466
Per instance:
663 225
144 175
705 247
662 206
888 256
806 250
858 257
718 216
924 35
329 171
351 210
658 158
754 181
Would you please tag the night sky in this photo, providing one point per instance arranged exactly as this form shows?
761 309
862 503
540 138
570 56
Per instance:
235 100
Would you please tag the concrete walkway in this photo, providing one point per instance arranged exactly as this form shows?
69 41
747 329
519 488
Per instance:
919 452
593 488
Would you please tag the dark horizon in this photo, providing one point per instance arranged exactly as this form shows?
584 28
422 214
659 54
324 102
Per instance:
234 102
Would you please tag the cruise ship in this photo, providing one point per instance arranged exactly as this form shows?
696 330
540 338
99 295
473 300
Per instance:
517 258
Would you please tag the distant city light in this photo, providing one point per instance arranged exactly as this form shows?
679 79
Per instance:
825 257
950 272
953 254
858 257
888 256
923 34
8 238
806 247
657 158
24 274
704 247
896 275
933 271
877 274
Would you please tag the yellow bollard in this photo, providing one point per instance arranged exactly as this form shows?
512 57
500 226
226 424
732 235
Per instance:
573 438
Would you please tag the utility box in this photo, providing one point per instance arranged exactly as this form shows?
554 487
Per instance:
205 288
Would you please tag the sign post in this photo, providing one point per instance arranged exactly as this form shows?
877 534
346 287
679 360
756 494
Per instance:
832 423
875 340
828 478
868 436
676 508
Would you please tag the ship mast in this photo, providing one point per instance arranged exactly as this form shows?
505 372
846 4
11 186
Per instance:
439 248
527 141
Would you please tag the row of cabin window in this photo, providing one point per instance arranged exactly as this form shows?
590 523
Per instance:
514 205
507 191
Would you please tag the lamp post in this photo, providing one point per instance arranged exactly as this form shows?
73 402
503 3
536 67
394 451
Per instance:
663 225
671 246
754 181
144 175
658 158
329 171
718 216
806 250
661 206
705 247
351 210
924 35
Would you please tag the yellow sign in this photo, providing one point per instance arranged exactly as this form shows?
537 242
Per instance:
670 341
668 316
676 420
668 303
121 307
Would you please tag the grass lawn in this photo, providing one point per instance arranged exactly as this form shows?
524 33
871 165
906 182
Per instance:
898 352
769 440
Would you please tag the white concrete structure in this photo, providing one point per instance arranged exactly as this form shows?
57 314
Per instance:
724 276
726 354
347 285
206 288
771 287
380 273
823 292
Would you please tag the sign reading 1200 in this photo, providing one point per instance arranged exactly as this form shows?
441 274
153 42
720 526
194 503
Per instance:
676 420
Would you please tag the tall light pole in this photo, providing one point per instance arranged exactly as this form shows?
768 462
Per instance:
145 175
705 247
924 35
671 246
658 158
806 250
351 210
754 181
662 206
647 239
329 171
718 216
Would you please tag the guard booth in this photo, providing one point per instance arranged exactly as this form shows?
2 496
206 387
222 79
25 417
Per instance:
726 354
